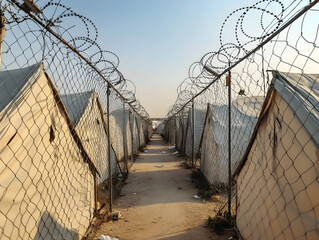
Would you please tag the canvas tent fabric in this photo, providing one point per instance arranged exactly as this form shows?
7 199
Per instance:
157 127
214 141
147 130
120 132
277 179
199 120
181 131
46 177
170 131
135 133
141 132
160 128
86 115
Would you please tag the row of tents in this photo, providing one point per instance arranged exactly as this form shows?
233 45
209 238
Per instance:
274 155
54 155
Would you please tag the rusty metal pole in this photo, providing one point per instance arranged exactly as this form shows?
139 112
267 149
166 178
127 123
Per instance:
228 83
125 139
2 34
132 135
109 150
193 135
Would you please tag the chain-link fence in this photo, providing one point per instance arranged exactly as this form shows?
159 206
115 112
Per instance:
69 122
255 104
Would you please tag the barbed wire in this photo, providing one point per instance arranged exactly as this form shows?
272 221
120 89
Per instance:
69 24
244 134
70 122
242 43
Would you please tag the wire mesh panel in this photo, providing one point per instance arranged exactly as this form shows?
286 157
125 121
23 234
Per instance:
278 178
135 133
61 98
258 145
46 181
117 130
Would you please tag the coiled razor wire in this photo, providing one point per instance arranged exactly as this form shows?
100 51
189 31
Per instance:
271 15
82 34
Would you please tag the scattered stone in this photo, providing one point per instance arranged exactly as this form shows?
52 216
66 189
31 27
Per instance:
115 216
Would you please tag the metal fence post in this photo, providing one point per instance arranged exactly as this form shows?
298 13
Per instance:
2 34
124 139
109 149
132 135
193 134
228 83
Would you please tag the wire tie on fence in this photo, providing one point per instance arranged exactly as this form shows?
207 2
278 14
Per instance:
227 80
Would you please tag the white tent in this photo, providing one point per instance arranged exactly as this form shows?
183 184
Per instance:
214 142
181 130
157 126
135 133
86 115
46 177
141 132
199 120
170 131
159 129
121 138
277 178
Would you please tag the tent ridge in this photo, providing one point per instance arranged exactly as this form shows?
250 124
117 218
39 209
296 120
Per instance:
77 139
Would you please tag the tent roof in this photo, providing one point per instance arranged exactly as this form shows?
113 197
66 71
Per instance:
301 93
249 106
242 108
118 114
14 82
76 104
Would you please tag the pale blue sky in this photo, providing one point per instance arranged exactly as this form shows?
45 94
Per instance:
157 40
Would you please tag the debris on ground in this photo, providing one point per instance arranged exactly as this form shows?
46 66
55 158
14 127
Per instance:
176 152
162 152
145 151
171 147
115 216
103 237
120 175
196 197
162 165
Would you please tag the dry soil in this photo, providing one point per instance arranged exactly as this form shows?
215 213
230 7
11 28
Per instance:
157 201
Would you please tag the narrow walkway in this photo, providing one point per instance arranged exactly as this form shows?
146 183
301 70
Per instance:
157 201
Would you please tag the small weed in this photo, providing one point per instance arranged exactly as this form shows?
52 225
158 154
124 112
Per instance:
221 222
187 166
204 189
206 194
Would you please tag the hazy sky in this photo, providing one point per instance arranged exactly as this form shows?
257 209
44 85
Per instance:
157 40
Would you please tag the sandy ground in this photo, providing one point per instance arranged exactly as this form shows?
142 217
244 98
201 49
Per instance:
157 201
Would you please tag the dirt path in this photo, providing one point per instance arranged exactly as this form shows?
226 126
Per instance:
157 201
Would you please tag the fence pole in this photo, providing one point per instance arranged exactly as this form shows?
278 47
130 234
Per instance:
132 134
2 34
124 139
109 149
193 134
228 83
